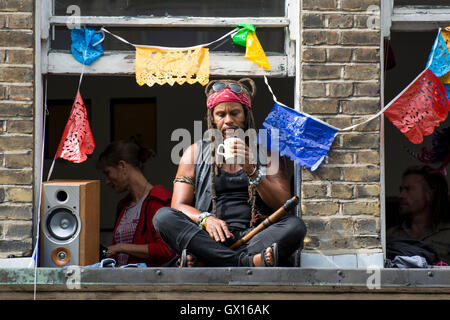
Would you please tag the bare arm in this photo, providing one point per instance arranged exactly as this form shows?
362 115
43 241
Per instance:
183 197
183 193
137 250
274 189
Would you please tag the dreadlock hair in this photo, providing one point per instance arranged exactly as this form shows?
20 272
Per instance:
249 124
436 182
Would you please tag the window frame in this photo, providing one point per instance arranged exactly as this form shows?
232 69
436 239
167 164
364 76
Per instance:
283 65
392 18
413 18
53 62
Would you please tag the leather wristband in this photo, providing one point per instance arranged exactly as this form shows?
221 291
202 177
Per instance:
255 182
202 216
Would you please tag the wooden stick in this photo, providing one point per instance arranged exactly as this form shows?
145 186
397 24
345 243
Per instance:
274 217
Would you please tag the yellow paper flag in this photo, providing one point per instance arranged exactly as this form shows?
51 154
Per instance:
171 66
446 35
255 52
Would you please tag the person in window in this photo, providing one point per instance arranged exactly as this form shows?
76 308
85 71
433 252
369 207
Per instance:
134 239
423 202
216 203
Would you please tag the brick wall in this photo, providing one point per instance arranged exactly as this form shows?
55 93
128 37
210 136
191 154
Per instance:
16 126
341 85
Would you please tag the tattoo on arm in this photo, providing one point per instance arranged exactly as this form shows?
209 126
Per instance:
184 179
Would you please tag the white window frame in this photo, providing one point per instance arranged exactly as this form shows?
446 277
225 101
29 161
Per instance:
52 62
413 18
221 64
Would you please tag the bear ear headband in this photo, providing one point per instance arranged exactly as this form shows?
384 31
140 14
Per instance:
252 85
210 87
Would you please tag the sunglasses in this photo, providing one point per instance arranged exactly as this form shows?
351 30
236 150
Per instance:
235 87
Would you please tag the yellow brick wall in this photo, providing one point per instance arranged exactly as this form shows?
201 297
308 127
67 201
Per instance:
16 127
340 84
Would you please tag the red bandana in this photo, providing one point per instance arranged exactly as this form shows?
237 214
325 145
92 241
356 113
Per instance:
228 95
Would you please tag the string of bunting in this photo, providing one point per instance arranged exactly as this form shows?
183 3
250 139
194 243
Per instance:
416 111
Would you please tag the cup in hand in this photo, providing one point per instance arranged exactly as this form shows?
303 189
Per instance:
225 149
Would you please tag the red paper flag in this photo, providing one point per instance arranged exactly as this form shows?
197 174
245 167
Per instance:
420 107
77 139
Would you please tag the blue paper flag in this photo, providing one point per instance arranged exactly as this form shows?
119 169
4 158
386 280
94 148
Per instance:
439 59
86 45
303 139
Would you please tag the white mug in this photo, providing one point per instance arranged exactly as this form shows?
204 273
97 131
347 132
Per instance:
227 146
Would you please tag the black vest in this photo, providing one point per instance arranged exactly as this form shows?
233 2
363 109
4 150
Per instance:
203 162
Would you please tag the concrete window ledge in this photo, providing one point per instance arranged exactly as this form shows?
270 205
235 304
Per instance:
220 283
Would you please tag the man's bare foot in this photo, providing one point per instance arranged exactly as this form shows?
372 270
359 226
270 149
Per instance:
268 254
190 261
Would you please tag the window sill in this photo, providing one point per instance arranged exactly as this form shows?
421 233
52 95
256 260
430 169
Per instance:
218 283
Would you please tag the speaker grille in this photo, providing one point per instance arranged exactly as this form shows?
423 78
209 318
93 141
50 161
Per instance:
62 224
